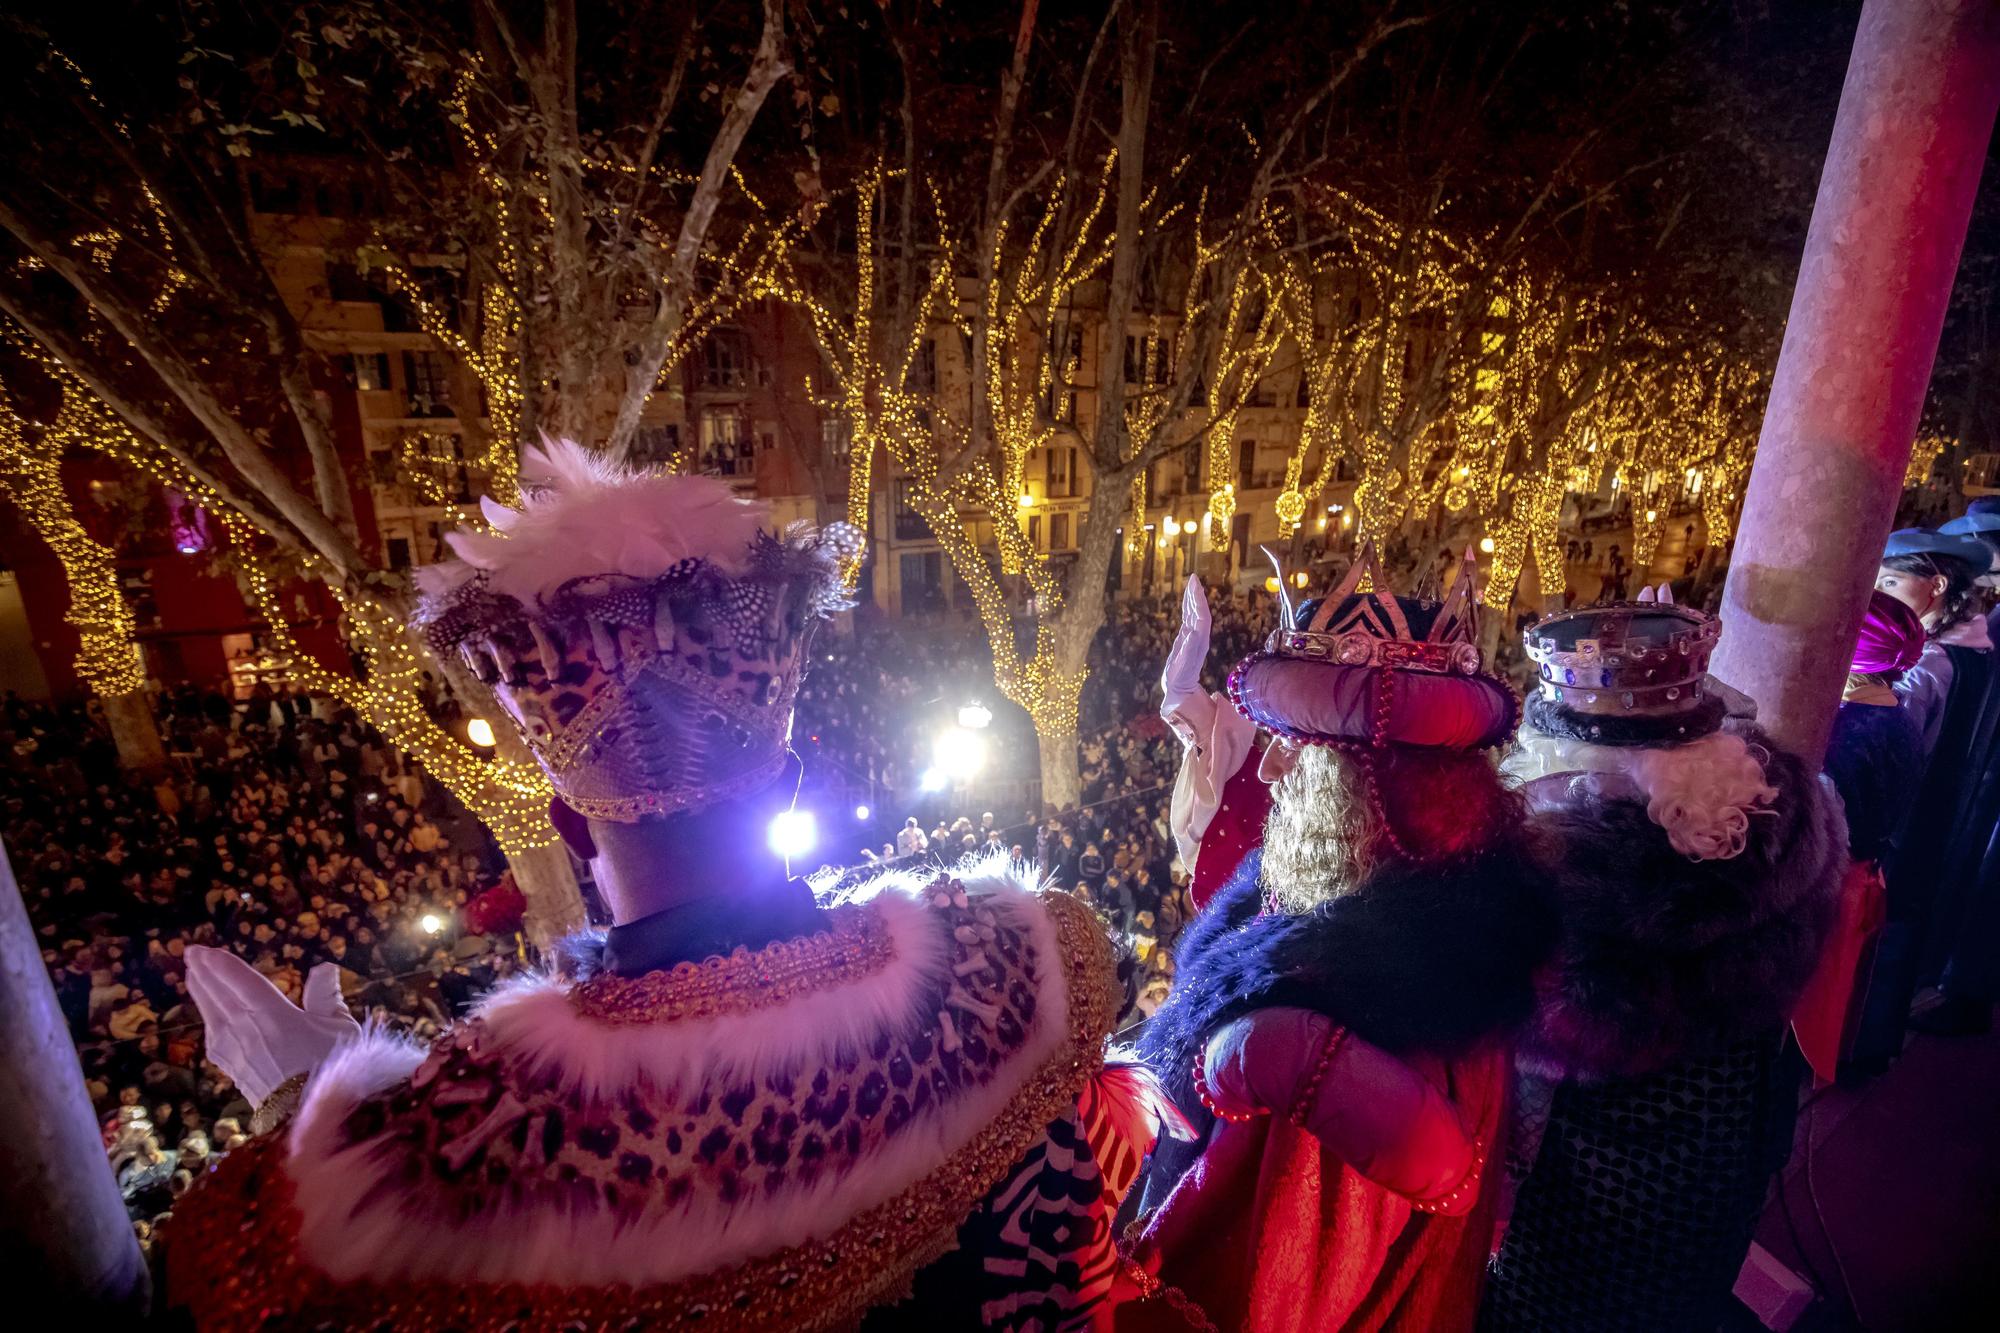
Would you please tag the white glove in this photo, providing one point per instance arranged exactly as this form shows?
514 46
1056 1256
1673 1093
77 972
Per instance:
257 1036
1180 682
1214 736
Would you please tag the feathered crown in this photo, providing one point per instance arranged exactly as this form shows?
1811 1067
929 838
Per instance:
645 631
1370 667
1626 672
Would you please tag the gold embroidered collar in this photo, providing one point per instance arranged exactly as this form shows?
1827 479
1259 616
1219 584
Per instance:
855 947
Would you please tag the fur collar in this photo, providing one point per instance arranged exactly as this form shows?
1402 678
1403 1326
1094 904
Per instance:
1433 958
357 1221
1662 957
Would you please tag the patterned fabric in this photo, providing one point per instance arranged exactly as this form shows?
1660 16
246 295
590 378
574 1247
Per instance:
476 1132
1016 1222
1640 1205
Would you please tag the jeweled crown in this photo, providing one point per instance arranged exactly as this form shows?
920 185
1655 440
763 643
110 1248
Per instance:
1640 658
1352 627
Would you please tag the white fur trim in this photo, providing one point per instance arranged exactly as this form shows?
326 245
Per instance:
355 1221
583 515
373 1061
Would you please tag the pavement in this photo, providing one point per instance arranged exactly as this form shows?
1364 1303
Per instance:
1890 1206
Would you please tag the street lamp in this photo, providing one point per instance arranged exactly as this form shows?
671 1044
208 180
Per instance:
959 754
792 833
480 732
975 716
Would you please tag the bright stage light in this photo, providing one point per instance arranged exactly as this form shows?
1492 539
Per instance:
959 754
861 812
932 780
480 732
975 716
792 833
431 923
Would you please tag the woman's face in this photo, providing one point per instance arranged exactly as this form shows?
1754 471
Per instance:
1924 595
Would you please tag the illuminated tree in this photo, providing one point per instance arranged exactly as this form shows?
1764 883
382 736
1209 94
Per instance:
565 259
1039 246
107 657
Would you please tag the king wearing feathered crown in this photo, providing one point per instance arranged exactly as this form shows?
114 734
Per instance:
1338 1028
739 1107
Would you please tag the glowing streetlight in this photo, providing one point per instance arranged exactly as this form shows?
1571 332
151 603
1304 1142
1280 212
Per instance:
1173 526
1652 514
1026 501
975 716
792 833
480 732
1486 546
1301 579
431 923
862 812
959 754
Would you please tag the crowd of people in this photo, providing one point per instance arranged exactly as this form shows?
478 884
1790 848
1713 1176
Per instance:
285 830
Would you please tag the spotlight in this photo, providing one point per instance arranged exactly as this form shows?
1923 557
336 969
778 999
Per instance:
959 754
432 923
932 780
792 833
480 732
861 812
974 716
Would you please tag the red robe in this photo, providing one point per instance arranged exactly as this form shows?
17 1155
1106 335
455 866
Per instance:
1272 1233
1236 830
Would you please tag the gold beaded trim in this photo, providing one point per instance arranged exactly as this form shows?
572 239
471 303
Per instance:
856 947
233 1253
278 1105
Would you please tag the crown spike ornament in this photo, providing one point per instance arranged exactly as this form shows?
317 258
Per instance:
1371 667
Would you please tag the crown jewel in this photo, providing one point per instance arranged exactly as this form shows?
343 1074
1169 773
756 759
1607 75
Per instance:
1352 627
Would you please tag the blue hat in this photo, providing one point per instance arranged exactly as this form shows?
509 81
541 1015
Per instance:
1980 517
1923 541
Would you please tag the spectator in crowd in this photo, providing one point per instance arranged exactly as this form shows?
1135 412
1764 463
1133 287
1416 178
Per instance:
288 839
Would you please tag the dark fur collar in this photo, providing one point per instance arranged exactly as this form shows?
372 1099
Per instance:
1428 958
1663 957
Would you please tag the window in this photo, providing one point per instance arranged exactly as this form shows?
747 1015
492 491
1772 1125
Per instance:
1060 476
1035 531
923 375
836 442
1198 395
909 523
1058 532
399 553
655 446
1191 466
1246 465
725 360
371 371
1146 360
427 384
1304 395
345 283
1262 395
725 442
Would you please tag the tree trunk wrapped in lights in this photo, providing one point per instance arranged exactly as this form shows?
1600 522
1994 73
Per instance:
149 283
107 657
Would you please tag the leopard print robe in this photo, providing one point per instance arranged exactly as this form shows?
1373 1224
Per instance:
900 1115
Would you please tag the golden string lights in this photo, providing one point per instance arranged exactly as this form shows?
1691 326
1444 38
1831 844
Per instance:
107 656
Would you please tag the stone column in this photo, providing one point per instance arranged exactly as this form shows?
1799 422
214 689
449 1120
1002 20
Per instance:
1895 195
62 1224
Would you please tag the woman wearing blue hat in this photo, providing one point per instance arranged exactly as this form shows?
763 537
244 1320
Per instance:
1951 696
1962 947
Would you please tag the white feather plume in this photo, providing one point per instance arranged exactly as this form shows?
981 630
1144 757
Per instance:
583 515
